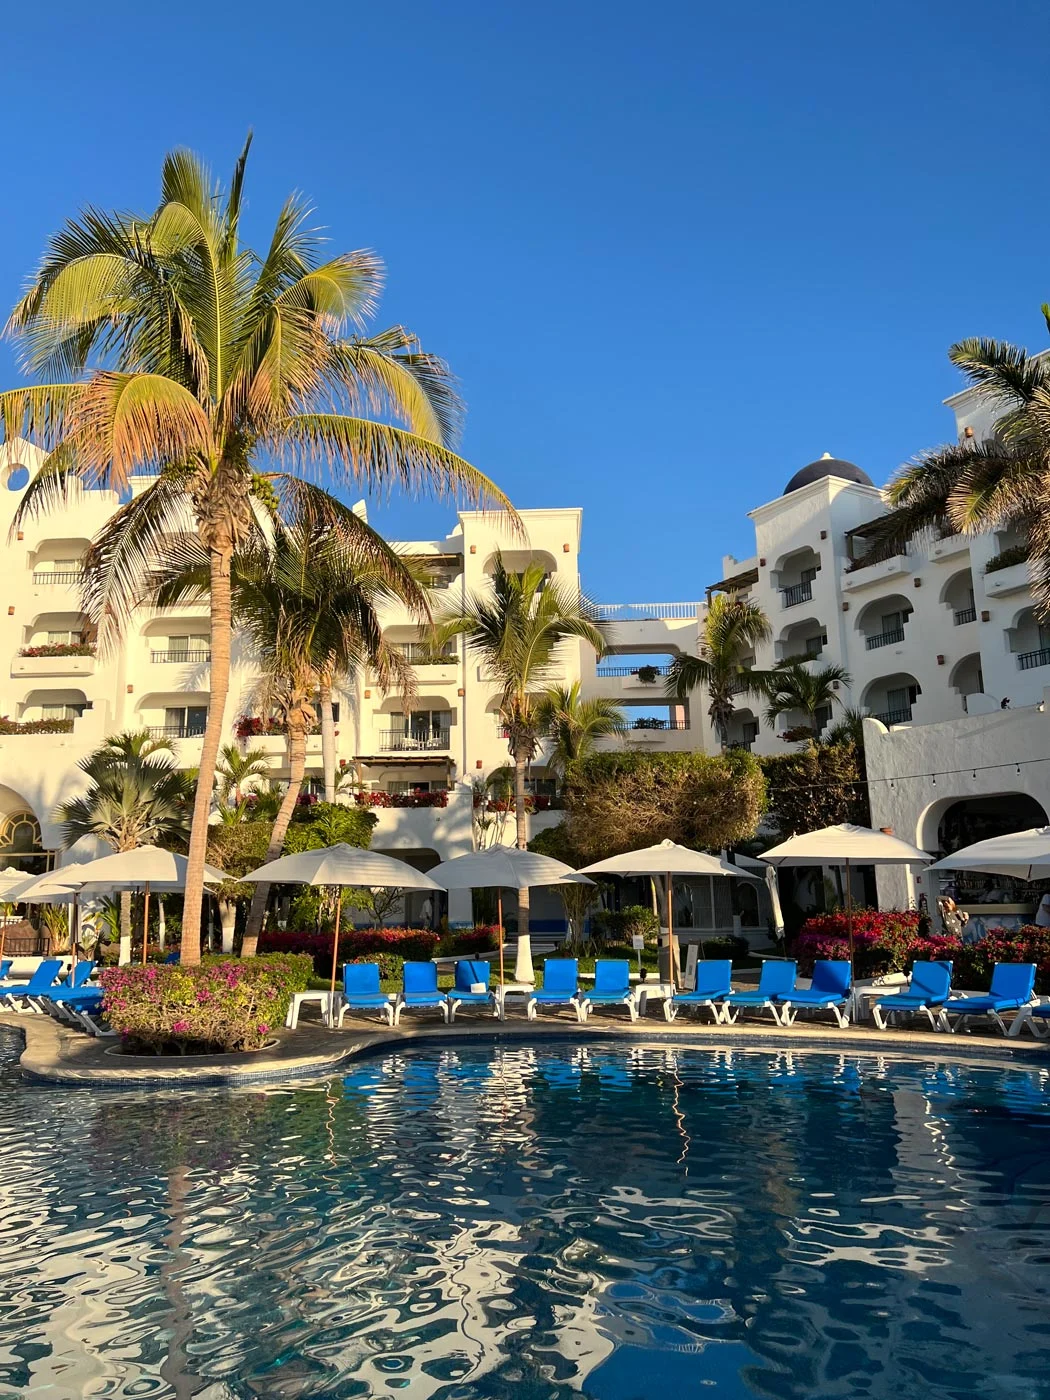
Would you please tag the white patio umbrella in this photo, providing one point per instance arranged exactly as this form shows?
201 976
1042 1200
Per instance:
847 845
146 868
342 865
506 868
55 887
666 859
1024 855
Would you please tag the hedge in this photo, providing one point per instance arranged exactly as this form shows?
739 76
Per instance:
411 943
222 1005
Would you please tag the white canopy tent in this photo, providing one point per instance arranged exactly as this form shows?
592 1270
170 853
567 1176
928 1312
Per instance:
846 845
665 860
342 865
506 868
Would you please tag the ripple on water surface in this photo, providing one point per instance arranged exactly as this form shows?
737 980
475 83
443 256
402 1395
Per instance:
608 1222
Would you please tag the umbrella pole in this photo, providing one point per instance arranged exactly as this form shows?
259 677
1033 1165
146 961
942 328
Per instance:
499 930
849 913
672 970
145 921
335 937
74 926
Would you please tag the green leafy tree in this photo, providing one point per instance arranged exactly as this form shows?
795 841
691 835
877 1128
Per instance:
136 796
239 773
516 629
1000 482
816 786
575 725
732 628
792 688
166 346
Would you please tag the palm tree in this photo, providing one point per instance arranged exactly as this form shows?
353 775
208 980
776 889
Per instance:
236 770
793 688
167 347
732 627
516 629
307 604
574 725
137 797
974 486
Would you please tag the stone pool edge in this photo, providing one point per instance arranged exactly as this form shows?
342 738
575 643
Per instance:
58 1055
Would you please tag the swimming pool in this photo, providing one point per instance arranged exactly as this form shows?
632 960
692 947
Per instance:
479 1222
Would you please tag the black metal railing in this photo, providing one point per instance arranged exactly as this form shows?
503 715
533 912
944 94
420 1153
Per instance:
190 730
797 593
1029 660
885 639
182 657
397 741
57 576
901 716
632 670
964 615
660 724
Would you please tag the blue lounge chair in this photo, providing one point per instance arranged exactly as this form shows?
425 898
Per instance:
612 987
419 991
560 978
6 965
928 990
776 983
41 982
1036 1018
1011 989
829 990
471 973
713 985
361 992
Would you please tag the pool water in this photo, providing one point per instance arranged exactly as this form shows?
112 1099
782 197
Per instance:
616 1223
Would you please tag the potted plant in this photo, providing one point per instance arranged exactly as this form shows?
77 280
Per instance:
647 674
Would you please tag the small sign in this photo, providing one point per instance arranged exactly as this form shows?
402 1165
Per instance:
638 942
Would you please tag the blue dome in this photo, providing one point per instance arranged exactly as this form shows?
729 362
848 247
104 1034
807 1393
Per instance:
827 466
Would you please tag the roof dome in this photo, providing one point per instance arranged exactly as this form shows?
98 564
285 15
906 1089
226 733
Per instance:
827 466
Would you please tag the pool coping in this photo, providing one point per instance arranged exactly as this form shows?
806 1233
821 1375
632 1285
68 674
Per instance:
61 1055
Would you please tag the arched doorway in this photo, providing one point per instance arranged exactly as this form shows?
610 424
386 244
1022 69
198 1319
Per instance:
971 819
988 899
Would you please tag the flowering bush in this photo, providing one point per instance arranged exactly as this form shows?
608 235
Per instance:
482 938
401 799
60 649
35 726
1028 944
225 1004
883 942
354 944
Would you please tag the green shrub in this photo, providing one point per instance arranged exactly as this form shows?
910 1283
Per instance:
621 926
226 1004
724 946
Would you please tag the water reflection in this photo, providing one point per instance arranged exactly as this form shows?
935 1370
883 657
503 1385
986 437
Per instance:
584 1221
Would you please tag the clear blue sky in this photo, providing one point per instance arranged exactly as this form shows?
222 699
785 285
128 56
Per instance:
673 251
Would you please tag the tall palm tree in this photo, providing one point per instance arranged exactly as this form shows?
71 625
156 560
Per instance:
306 603
136 797
168 348
974 486
574 724
793 688
516 629
732 627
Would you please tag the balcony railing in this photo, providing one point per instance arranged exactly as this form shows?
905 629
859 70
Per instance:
419 654
189 730
181 657
964 615
797 593
901 716
397 741
645 612
1029 660
46 576
885 639
660 724
632 670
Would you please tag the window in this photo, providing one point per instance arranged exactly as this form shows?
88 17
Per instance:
397 788
750 731
423 724
815 645
194 645
64 638
187 723
807 575
902 698
335 711
823 716
892 622
61 711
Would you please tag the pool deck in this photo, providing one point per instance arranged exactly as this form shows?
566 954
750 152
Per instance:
62 1055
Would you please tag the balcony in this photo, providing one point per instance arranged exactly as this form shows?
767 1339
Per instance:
190 730
797 593
178 658
862 575
964 615
659 724
884 639
44 661
397 741
646 612
1013 579
888 717
1029 660
47 578
657 671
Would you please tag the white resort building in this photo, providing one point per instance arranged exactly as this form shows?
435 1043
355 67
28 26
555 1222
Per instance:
941 644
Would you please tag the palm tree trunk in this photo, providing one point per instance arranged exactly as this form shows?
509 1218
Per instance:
124 955
296 769
221 635
327 740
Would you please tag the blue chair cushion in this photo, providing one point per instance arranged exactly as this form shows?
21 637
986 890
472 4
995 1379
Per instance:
967 1006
